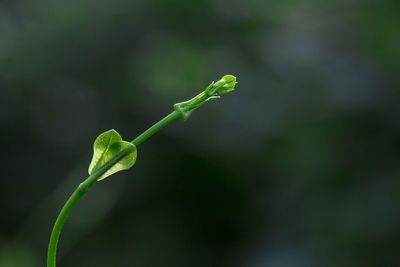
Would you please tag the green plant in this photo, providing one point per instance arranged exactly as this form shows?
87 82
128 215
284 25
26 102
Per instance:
112 154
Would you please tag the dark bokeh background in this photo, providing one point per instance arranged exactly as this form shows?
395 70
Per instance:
298 167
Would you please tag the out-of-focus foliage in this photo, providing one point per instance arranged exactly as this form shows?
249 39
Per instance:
297 167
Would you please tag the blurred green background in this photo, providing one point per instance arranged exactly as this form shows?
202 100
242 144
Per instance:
298 167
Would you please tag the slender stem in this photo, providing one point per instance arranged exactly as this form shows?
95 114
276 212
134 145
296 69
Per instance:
84 186
51 254
156 127
182 110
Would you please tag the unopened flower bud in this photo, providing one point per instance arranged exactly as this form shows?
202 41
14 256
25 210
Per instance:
225 85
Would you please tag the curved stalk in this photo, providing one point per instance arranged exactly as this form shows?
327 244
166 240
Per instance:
181 110
84 186
76 195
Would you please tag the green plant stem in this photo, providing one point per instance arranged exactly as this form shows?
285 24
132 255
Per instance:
181 110
84 186
156 127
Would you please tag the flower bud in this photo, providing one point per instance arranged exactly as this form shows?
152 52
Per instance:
225 85
213 91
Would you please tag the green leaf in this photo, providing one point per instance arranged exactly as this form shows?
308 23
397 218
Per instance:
106 146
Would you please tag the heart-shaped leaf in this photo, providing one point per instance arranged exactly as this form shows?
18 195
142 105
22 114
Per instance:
106 146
